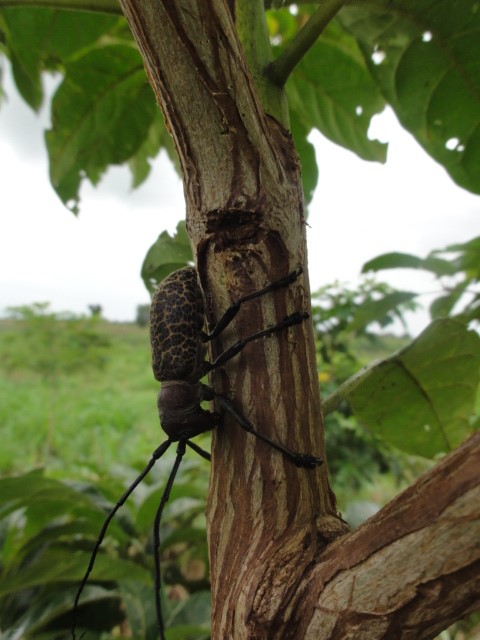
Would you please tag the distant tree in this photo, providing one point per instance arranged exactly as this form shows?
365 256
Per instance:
95 310
143 315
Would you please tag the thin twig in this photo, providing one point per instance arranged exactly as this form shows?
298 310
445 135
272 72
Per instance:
279 70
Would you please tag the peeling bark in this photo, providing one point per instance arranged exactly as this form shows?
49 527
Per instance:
273 575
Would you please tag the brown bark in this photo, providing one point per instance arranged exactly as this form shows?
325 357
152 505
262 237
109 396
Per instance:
408 572
268 521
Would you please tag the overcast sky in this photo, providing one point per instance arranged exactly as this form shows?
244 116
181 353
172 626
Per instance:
359 211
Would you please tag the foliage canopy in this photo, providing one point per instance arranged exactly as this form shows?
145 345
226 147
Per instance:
420 58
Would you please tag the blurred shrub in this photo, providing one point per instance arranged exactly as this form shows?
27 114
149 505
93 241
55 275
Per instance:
143 315
47 532
52 344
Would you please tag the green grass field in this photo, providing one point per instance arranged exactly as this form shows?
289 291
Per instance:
91 418
81 423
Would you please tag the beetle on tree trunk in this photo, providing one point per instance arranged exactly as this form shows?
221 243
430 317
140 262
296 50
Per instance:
178 341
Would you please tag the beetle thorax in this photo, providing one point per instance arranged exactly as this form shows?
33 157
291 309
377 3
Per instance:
180 411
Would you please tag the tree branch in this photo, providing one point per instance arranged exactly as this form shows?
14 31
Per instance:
96 6
409 571
281 68
252 32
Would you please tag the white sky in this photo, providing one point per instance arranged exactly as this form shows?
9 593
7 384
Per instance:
359 211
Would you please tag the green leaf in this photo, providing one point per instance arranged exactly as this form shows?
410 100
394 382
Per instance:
443 305
57 565
44 609
196 538
38 39
167 254
193 610
101 115
157 138
308 161
331 90
33 489
281 24
139 605
424 57
377 310
468 259
393 260
188 632
397 260
191 499
51 513
422 399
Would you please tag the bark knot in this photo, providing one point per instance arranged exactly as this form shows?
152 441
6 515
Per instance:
235 228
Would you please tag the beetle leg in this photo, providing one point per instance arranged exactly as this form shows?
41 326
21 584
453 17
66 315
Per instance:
228 354
304 460
199 450
233 309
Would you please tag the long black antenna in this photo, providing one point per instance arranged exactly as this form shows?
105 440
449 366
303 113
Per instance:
182 443
158 453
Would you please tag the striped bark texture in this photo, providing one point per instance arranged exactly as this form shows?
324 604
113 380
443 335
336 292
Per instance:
283 564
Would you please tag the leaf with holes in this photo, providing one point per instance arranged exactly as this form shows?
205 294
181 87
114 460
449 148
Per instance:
424 56
332 90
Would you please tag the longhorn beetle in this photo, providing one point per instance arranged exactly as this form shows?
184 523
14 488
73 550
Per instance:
178 340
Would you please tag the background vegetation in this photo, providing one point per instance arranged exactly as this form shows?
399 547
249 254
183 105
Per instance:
78 411
79 422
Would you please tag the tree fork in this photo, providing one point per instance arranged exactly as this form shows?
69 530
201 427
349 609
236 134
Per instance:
273 575
410 571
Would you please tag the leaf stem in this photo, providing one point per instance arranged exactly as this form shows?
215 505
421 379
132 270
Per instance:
279 70
341 393
96 6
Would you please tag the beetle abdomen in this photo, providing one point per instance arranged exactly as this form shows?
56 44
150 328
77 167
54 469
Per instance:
176 320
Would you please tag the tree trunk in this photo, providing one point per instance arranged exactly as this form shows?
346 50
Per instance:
268 522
